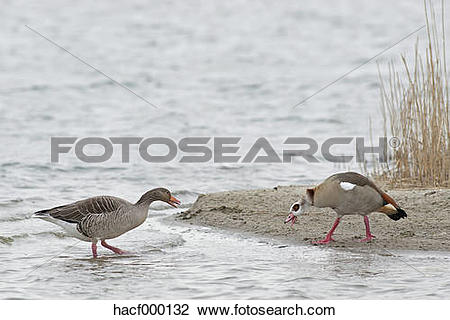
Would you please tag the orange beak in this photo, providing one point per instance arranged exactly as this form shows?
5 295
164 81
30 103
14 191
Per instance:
174 202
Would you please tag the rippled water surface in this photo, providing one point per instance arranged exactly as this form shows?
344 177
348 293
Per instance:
170 260
213 68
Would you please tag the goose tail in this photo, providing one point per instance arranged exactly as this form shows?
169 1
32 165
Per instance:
391 208
41 214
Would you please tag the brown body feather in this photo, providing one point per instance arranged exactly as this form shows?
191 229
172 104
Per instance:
363 199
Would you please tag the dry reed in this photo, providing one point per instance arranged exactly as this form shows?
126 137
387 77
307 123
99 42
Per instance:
415 109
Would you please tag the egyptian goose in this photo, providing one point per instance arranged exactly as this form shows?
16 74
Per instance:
347 193
104 217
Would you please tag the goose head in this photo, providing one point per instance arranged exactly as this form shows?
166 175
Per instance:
297 208
161 194
166 196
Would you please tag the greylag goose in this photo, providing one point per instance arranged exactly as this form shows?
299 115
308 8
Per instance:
347 193
104 217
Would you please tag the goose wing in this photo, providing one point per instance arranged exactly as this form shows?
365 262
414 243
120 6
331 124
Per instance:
347 178
354 178
75 212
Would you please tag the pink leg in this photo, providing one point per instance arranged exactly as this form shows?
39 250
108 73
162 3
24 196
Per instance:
369 236
94 249
114 249
328 238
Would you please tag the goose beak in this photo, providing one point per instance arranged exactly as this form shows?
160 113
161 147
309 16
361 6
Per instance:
291 218
174 202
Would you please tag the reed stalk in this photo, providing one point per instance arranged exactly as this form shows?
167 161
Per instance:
415 109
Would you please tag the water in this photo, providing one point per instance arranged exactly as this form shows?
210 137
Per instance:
170 260
213 69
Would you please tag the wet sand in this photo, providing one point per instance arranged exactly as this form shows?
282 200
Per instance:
262 212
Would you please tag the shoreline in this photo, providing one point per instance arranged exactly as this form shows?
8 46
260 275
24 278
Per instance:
262 212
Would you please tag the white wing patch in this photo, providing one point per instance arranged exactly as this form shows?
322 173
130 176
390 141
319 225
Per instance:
347 186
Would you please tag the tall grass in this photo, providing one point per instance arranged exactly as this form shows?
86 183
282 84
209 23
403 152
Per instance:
415 109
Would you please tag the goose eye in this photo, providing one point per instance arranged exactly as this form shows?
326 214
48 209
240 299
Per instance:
295 207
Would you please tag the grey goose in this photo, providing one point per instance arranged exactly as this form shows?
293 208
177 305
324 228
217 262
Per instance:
104 217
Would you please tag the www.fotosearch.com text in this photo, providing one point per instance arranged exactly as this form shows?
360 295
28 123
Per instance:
217 149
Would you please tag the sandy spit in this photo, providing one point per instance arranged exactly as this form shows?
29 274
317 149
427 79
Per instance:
262 212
